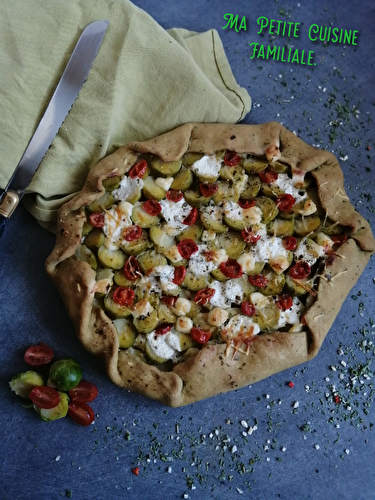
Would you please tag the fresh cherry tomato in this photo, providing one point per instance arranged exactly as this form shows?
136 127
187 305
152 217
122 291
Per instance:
268 176
246 203
191 218
170 300
163 329
249 237
285 202
200 336
284 302
123 296
289 243
97 219
203 296
152 207
231 159
132 269
81 413
300 270
138 170
258 280
132 233
84 392
44 396
186 248
207 189
65 374
174 196
179 275
231 269
248 309
38 355
339 238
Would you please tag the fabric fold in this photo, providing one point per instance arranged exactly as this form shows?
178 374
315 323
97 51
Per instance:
145 81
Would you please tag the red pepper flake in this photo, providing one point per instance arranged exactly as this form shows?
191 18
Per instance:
337 399
135 471
291 384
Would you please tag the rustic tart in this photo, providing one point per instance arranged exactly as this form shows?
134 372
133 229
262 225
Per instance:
208 258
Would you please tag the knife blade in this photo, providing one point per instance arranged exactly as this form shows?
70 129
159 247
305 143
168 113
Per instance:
66 92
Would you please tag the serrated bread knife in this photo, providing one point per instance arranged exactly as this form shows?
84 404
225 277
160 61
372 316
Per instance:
66 92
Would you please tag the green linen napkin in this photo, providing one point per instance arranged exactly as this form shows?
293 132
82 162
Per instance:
144 82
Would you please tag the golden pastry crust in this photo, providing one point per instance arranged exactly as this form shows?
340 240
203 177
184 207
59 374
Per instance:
211 370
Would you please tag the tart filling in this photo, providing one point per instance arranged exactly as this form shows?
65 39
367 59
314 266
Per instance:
209 249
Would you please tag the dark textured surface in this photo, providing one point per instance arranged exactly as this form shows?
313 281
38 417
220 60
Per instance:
305 446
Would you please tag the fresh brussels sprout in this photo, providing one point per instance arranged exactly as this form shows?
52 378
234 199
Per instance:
59 411
22 383
65 374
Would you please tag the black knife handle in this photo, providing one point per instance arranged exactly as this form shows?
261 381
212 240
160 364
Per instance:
3 223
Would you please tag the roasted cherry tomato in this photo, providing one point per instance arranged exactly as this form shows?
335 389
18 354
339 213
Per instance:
231 269
284 302
203 296
170 300
191 218
84 392
289 243
132 269
248 309
138 170
186 248
339 238
179 275
249 237
38 355
65 374
258 280
174 196
152 207
268 176
45 397
123 296
246 203
231 159
285 202
300 270
163 329
200 336
207 189
97 219
81 413
132 233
